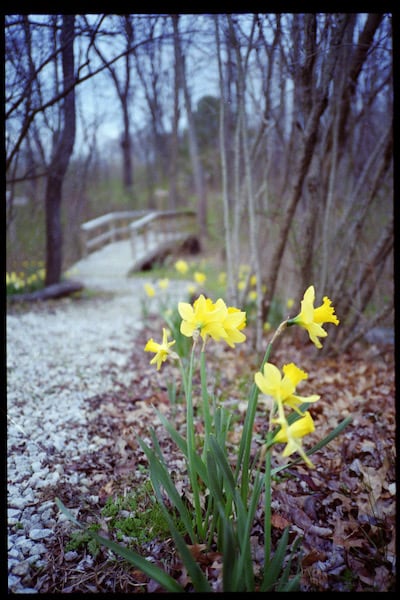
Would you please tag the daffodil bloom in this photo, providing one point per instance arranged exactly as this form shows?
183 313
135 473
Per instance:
204 316
149 289
163 283
212 319
181 266
162 351
232 324
271 383
222 277
292 434
199 277
312 319
289 303
252 295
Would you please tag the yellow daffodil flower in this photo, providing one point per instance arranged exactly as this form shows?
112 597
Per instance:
292 434
212 319
289 303
163 283
222 277
312 319
149 289
233 323
199 277
181 266
204 316
162 351
271 383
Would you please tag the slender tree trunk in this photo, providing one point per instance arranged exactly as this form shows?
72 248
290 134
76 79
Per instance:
224 175
378 164
305 154
125 97
363 48
193 144
173 161
61 156
126 145
363 288
304 160
249 185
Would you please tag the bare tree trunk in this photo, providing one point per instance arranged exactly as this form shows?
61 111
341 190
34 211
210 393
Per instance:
363 48
61 156
326 238
360 332
123 89
305 154
362 289
231 292
193 144
305 249
356 220
126 145
253 226
174 147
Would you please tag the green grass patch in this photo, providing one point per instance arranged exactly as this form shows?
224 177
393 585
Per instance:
134 519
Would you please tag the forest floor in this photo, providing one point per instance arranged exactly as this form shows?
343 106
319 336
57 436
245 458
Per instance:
344 509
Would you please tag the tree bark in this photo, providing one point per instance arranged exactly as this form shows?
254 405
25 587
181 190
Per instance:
305 154
51 292
363 48
198 174
174 147
61 156
231 290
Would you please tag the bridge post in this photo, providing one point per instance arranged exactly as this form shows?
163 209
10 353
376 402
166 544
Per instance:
83 240
111 229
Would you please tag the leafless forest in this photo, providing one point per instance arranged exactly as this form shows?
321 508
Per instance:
277 128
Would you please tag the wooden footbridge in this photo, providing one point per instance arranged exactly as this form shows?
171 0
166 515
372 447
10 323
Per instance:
119 243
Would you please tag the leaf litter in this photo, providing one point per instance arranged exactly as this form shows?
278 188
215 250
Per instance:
344 509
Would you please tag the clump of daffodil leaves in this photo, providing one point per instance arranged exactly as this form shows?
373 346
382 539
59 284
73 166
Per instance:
224 498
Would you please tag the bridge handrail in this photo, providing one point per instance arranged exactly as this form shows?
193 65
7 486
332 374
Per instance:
110 219
165 223
160 215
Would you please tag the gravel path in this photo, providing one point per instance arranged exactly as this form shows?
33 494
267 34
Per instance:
58 355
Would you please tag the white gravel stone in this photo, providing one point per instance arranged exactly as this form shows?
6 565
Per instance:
38 549
13 513
58 356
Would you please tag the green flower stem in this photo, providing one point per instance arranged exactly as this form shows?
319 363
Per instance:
245 441
267 510
247 434
205 399
191 447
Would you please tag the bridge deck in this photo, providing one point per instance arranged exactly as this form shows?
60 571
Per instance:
107 267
